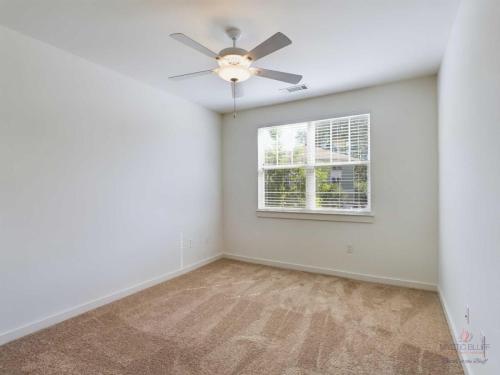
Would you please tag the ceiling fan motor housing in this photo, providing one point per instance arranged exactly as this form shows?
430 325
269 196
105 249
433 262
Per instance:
232 51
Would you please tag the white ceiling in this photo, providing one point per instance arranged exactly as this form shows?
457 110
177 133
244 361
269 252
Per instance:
337 45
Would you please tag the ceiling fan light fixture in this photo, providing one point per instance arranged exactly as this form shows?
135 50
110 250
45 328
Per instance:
233 67
234 73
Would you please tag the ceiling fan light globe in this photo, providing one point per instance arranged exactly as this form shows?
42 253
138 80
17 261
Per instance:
233 73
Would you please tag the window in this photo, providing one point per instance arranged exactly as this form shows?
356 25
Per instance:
320 166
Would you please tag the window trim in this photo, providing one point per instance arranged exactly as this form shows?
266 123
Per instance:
323 214
304 214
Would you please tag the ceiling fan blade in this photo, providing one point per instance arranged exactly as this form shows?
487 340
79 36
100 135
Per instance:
237 89
278 76
274 43
193 44
194 74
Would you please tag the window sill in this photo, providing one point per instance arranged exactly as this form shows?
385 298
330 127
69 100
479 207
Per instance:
352 217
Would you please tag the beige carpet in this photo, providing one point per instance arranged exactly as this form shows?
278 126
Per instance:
237 318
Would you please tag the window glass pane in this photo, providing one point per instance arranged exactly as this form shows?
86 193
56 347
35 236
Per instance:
323 141
340 140
342 187
359 138
268 138
332 140
284 145
285 188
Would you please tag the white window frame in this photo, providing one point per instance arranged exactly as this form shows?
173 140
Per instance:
311 211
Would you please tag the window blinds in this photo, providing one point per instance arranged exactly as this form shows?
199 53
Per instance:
318 165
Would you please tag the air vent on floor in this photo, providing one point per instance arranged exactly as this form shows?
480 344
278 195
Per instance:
292 89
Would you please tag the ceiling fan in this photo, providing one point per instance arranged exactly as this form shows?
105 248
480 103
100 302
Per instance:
234 63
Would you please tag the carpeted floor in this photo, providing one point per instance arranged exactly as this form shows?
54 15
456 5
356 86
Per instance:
237 318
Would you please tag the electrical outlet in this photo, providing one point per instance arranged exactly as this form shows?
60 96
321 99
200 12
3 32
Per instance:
467 314
350 249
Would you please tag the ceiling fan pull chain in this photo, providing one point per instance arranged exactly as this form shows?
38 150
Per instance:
233 86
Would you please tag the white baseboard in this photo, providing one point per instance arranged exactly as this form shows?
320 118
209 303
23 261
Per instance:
48 321
334 272
454 333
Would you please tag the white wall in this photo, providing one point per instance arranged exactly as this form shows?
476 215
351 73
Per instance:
469 175
402 242
99 174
